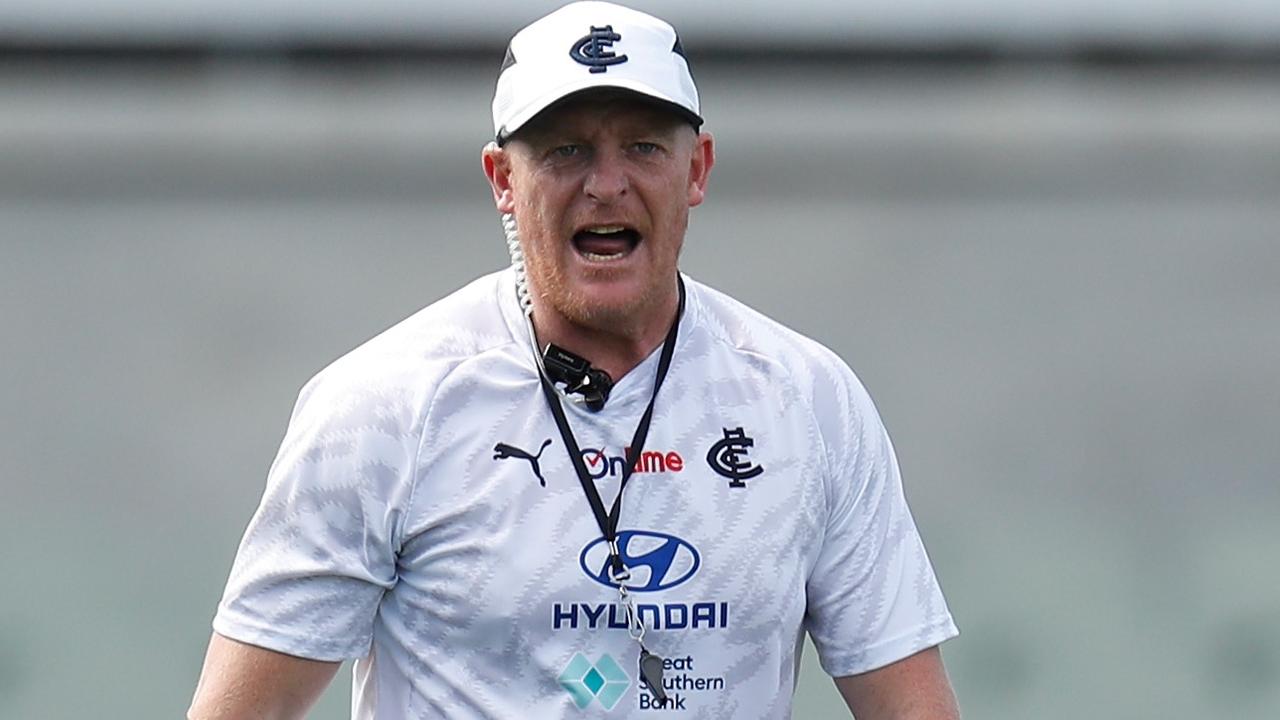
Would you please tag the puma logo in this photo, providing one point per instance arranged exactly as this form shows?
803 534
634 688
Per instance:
502 451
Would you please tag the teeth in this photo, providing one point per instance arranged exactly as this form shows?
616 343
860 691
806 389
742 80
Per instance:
605 230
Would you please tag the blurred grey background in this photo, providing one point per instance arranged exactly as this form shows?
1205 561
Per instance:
1045 235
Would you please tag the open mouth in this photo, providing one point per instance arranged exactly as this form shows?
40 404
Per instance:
601 243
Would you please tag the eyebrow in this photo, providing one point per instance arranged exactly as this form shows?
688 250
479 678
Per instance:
553 134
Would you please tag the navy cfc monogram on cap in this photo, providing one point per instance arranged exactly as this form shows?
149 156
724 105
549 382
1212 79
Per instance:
592 50
587 45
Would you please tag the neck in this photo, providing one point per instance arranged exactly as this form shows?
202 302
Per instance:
615 348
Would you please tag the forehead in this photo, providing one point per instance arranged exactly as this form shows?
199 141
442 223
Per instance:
603 109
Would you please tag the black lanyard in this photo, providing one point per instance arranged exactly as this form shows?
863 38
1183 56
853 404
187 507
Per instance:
608 522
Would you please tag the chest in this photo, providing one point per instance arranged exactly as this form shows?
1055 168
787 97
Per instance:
725 503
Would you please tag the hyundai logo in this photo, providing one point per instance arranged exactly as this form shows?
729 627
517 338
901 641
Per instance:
657 561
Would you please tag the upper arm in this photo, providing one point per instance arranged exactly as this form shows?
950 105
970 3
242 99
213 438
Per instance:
241 680
321 550
872 596
913 688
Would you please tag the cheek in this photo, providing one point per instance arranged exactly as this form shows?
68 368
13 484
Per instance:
538 234
543 207
530 216
672 206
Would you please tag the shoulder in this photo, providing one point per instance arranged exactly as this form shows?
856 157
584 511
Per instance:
805 373
401 367
762 341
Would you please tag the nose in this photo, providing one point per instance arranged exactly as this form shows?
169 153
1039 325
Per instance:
606 179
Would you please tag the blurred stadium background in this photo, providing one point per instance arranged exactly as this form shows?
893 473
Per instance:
1046 235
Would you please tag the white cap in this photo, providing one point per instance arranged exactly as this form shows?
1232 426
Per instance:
586 45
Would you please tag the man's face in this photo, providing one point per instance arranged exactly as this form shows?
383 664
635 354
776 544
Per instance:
601 188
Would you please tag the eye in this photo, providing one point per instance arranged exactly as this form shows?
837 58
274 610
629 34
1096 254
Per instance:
567 151
645 148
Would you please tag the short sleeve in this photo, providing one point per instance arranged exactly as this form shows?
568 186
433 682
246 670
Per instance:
873 597
321 549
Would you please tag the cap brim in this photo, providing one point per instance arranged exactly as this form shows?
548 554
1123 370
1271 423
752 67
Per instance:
565 93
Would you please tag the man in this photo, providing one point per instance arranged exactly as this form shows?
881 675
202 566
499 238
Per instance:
443 505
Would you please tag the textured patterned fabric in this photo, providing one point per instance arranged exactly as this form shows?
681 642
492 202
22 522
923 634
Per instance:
406 523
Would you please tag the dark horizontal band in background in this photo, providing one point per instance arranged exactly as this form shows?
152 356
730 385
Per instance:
1092 53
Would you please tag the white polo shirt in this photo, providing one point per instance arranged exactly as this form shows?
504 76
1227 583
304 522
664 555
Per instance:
423 516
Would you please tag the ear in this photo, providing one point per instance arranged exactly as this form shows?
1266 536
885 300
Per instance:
497 169
704 157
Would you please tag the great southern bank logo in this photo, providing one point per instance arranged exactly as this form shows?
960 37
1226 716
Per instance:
657 561
605 681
